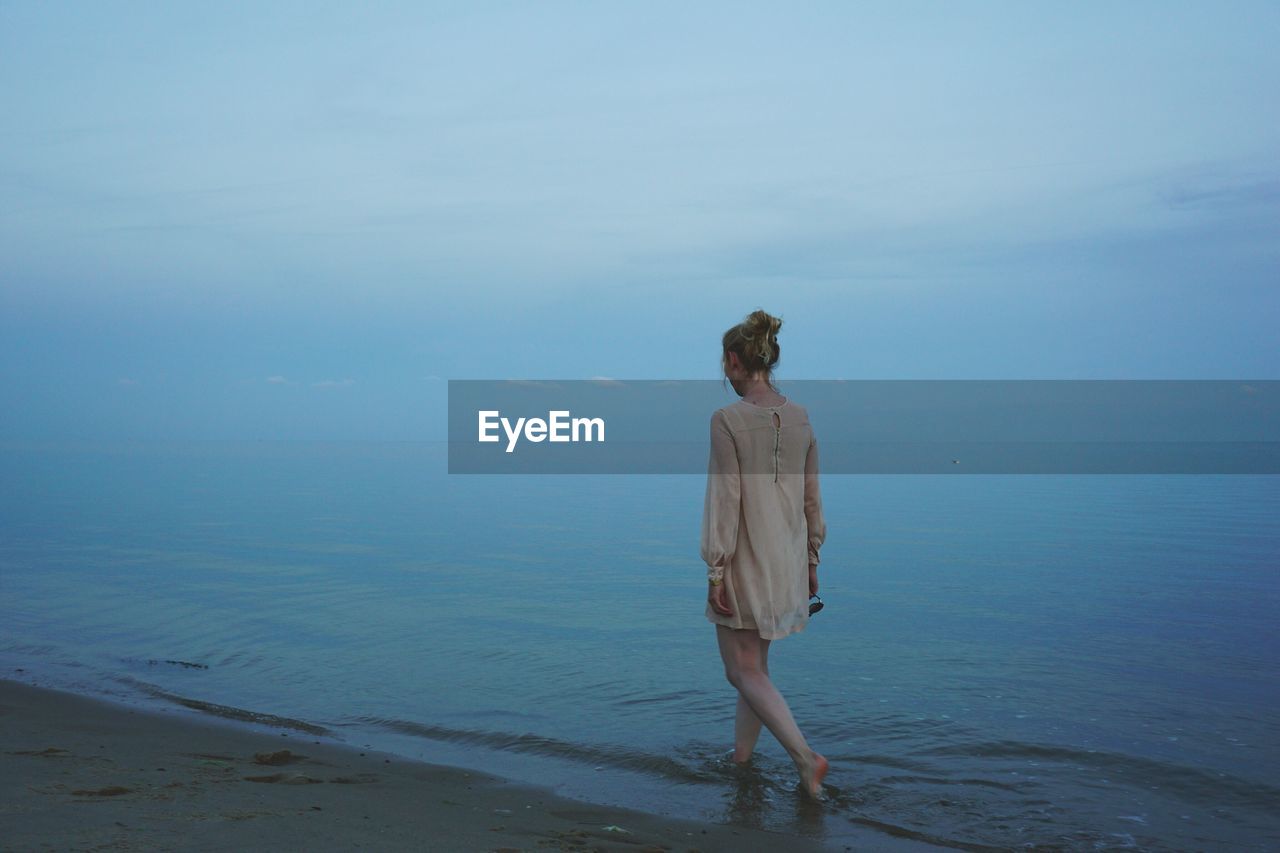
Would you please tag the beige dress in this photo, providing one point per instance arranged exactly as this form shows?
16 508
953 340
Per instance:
762 522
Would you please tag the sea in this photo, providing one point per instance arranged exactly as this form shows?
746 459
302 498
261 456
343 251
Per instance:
1029 662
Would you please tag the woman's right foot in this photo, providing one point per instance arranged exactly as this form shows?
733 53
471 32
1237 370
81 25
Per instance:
811 775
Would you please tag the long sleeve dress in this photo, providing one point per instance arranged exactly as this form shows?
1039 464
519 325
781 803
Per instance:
762 522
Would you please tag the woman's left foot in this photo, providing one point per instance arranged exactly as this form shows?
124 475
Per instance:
812 774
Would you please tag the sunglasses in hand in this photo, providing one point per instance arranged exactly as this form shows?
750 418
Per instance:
814 606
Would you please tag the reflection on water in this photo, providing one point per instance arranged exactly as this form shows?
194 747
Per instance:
1068 662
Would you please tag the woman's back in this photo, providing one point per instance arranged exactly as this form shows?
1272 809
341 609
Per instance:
762 519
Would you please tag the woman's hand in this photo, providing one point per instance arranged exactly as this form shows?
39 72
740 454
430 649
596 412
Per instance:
717 599
813 580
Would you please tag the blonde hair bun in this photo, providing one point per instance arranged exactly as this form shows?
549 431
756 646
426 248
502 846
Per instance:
755 340
760 330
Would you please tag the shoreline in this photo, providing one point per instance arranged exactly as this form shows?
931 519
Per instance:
84 772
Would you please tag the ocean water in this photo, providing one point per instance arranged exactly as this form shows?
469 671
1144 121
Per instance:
1019 661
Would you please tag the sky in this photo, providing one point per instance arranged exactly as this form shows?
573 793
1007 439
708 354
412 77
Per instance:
276 220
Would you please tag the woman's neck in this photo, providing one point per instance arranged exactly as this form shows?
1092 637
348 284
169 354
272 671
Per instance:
757 391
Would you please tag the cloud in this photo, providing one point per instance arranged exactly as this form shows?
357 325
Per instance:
333 383
125 380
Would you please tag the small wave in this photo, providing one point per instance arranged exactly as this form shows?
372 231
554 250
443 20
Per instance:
617 757
876 759
924 837
1190 783
224 711
942 780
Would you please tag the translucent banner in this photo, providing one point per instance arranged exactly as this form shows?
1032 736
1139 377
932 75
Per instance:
1066 426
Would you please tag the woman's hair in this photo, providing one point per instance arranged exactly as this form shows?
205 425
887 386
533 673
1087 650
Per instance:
755 340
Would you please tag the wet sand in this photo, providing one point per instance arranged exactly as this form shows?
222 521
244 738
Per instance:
78 773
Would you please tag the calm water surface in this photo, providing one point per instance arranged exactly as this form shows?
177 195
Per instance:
1033 662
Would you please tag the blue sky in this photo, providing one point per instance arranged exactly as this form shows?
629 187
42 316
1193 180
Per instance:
295 220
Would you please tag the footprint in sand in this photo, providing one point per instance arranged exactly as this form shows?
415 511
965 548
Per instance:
113 791
277 758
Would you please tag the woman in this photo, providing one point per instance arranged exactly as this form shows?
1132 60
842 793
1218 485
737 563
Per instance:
762 526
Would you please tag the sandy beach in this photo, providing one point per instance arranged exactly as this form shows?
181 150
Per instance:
84 774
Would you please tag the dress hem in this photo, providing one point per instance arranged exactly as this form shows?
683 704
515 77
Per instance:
775 635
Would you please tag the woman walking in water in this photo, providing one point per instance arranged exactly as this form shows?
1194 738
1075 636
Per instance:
762 526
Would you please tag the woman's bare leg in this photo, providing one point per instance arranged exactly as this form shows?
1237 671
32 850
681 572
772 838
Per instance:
743 656
746 725
746 731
